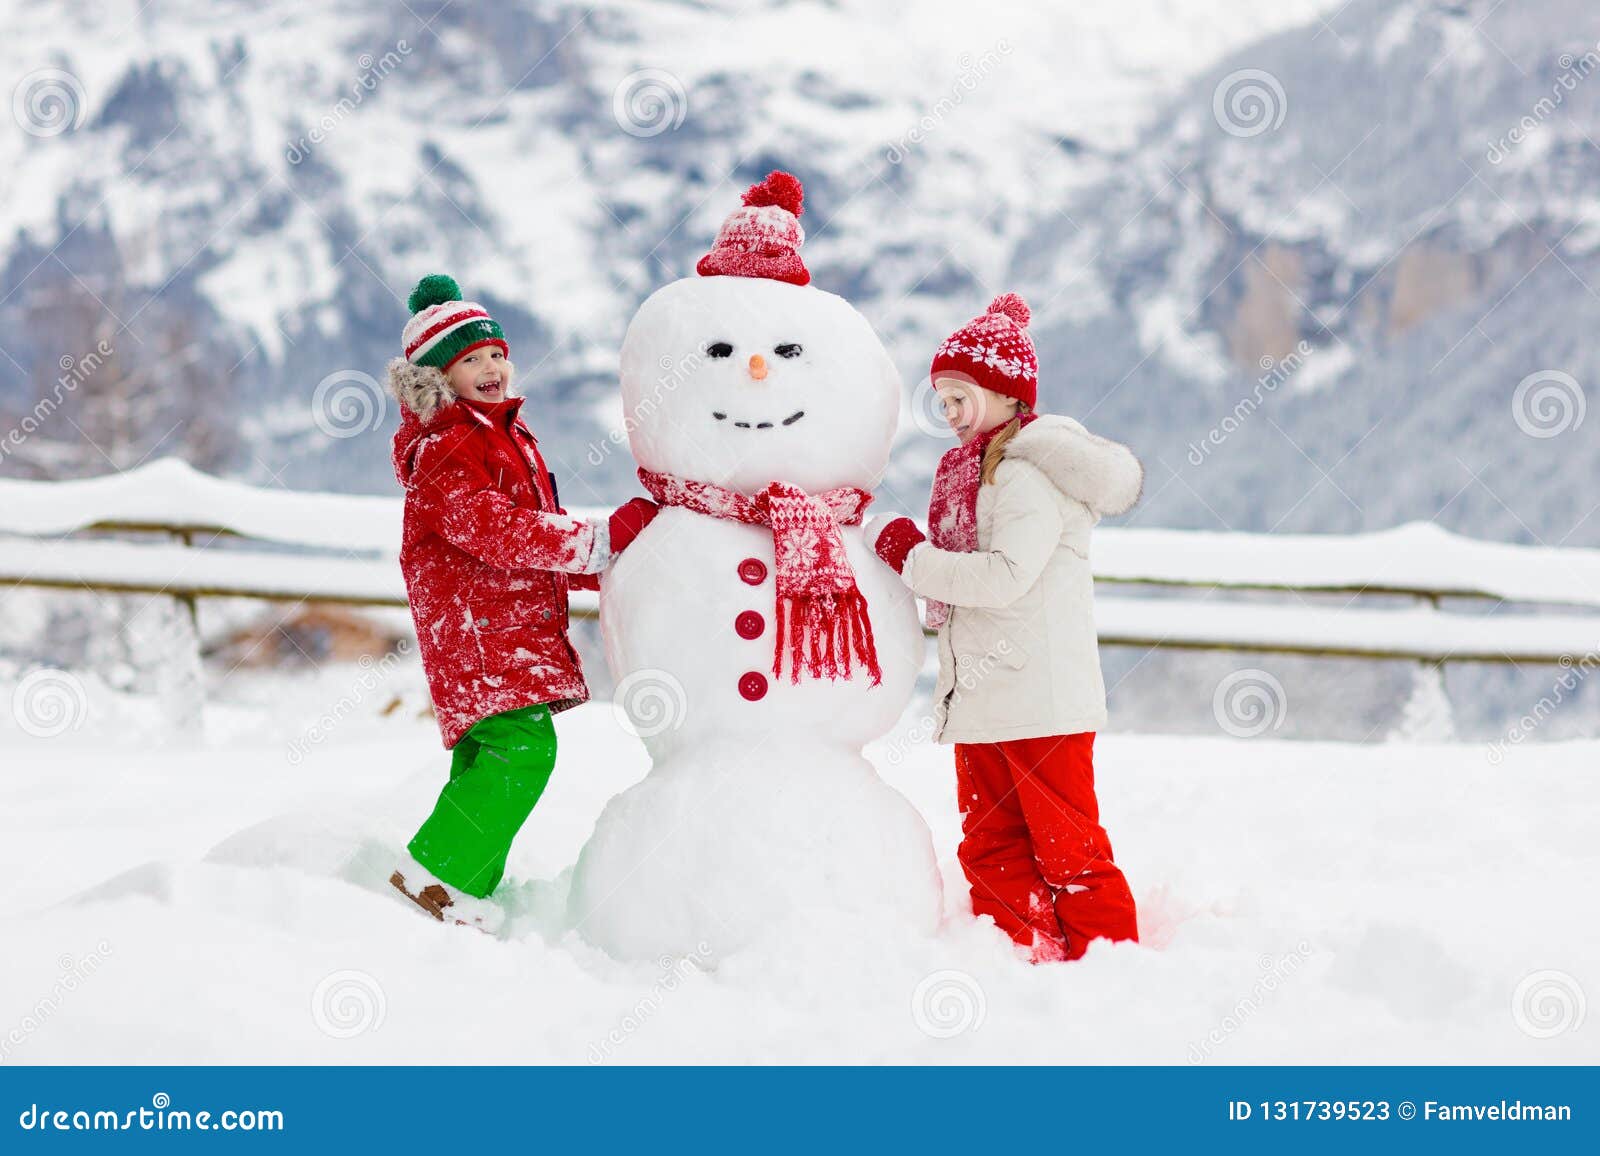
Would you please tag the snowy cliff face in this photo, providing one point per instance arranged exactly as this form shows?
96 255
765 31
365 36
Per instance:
1396 207
1408 190
1186 193
273 177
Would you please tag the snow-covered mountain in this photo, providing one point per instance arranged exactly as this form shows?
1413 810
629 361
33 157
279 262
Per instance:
271 178
1409 190
1326 267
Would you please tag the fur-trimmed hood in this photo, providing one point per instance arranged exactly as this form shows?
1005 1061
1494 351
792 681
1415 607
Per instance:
1102 474
428 406
422 389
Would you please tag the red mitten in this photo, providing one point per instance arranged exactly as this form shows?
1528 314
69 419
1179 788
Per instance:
583 581
628 520
896 540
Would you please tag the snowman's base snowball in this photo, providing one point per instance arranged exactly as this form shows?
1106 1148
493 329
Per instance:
716 846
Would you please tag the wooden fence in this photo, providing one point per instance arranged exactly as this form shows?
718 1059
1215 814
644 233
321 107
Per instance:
1459 600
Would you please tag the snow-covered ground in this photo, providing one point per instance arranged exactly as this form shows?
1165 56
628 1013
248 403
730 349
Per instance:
1299 902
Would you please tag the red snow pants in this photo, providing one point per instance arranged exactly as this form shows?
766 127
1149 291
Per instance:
1032 845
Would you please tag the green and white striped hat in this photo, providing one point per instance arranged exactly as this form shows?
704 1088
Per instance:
443 327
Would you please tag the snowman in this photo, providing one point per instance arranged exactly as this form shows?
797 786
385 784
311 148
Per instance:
756 642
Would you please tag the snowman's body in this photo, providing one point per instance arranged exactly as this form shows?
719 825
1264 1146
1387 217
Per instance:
694 602
759 804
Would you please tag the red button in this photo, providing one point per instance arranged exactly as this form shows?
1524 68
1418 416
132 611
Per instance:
753 571
753 685
749 624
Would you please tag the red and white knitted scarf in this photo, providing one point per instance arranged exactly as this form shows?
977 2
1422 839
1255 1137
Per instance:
821 614
953 505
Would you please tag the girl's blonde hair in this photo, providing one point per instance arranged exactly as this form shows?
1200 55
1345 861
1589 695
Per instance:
996 449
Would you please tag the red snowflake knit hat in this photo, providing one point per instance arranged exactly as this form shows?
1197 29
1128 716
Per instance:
763 238
994 350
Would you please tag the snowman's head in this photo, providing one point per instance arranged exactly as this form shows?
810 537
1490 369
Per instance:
747 375
741 381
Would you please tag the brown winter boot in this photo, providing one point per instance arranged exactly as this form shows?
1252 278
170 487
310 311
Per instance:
433 899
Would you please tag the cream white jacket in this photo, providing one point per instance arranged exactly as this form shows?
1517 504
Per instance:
1018 654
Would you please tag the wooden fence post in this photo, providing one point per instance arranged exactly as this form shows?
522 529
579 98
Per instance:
1427 716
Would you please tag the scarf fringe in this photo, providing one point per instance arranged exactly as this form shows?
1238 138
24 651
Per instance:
825 637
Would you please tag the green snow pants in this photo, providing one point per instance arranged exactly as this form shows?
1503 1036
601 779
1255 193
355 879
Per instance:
497 772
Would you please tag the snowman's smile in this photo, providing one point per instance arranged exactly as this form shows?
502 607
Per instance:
790 420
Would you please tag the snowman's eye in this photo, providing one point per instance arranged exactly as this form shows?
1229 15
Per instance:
787 349
720 349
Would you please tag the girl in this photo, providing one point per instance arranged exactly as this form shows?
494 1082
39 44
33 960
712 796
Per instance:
1007 582
488 555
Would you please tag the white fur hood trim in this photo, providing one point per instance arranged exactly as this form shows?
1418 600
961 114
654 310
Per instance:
1102 474
422 389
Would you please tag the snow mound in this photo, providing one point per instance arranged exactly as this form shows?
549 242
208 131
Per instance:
1299 902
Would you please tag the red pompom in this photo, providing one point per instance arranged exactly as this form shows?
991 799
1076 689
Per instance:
1012 306
780 188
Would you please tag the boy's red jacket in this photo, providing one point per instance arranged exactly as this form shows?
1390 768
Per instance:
487 556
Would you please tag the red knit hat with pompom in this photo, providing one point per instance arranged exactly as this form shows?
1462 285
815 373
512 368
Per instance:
994 350
763 238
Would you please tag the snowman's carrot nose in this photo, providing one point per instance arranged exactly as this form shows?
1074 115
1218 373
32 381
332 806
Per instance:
758 366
